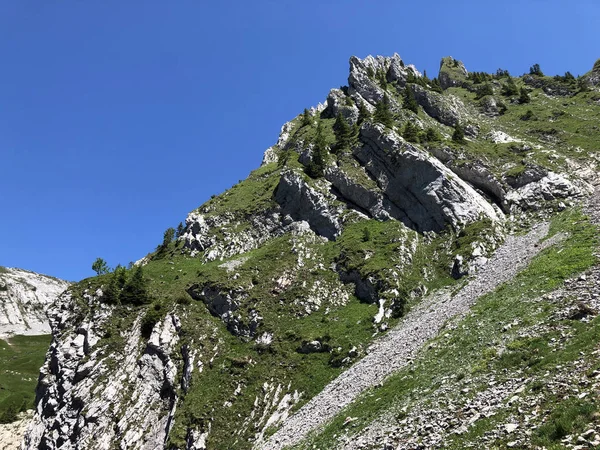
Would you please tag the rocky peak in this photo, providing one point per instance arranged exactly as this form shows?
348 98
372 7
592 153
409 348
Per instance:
365 73
452 72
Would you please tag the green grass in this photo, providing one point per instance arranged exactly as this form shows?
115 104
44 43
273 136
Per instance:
468 349
20 360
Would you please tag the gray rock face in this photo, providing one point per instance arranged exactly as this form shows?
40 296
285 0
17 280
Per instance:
336 103
372 201
452 73
593 77
532 196
363 85
225 305
420 186
303 203
448 110
24 299
79 408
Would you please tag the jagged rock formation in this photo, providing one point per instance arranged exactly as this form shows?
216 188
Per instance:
79 406
24 299
278 285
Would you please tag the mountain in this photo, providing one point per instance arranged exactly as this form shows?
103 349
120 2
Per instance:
24 339
412 266
24 297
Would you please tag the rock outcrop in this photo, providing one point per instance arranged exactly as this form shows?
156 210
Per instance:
452 73
428 194
78 406
24 299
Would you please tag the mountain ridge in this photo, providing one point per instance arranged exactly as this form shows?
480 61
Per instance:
275 287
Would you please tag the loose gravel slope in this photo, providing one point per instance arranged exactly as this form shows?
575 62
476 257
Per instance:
402 343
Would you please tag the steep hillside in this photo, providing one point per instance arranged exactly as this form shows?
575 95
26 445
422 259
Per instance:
24 297
397 187
24 337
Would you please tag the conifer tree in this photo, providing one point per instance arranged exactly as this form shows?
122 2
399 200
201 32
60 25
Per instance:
316 167
411 132
306 118
459 134
524 96
110 294
409 101
363 113
383 114
135 291
510 88
180 230
343 133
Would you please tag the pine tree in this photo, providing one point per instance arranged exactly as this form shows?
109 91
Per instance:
411 132
535 70
383 114
180 230
100 267
316 167
110 294
510 88
343 133
306 118
524 96
363 113
409 101
459 134
135 291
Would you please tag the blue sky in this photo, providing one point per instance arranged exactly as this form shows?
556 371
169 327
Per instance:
117 118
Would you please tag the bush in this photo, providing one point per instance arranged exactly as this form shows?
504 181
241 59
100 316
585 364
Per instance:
524 96
483 90
535 70
411 132
135 291
528 115
153 315
459 134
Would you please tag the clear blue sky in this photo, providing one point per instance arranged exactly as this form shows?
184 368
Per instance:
117 118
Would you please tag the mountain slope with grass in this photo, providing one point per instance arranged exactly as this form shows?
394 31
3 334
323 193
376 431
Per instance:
398 189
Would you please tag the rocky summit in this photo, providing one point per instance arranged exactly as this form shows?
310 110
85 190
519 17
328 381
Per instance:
414 265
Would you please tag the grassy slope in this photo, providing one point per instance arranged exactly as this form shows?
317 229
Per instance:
20 360
238 362
471 350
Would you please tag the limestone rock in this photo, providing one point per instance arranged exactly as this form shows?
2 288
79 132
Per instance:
337 103
551 187
419 185
452 73
303 203
24 298
448 110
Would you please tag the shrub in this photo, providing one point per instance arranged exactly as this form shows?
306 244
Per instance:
528 115
483 90
524 96
459 134
411 132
